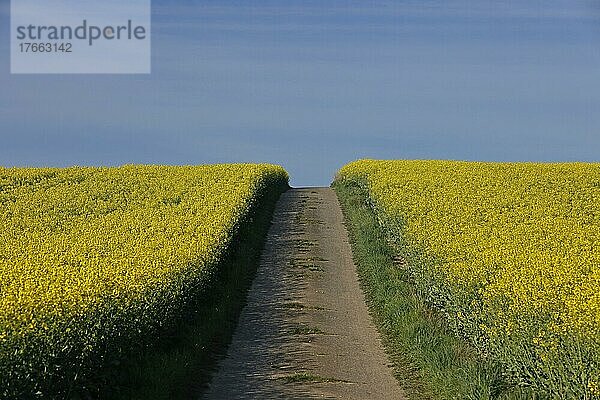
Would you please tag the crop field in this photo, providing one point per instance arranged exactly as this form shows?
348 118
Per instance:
509 253
93 260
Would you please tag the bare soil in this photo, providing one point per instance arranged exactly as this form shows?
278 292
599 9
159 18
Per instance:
305 332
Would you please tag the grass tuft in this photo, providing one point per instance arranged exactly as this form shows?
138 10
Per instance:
306 377
307 330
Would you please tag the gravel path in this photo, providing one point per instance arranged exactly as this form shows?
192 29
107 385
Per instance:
305 332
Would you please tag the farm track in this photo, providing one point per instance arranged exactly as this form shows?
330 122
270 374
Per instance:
305 332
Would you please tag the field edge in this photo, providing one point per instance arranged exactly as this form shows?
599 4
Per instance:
428 360
181 365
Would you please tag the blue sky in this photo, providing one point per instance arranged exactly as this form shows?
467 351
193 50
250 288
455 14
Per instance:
312 85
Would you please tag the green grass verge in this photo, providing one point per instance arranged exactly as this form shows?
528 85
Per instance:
429 361
179 365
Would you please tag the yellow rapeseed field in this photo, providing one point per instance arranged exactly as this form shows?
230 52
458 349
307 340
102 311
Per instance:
509 252
94 258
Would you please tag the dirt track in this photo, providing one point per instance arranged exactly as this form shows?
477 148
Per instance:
305 332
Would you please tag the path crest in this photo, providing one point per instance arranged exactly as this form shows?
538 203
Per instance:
305 332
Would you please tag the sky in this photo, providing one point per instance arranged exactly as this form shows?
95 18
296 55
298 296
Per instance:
312 85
